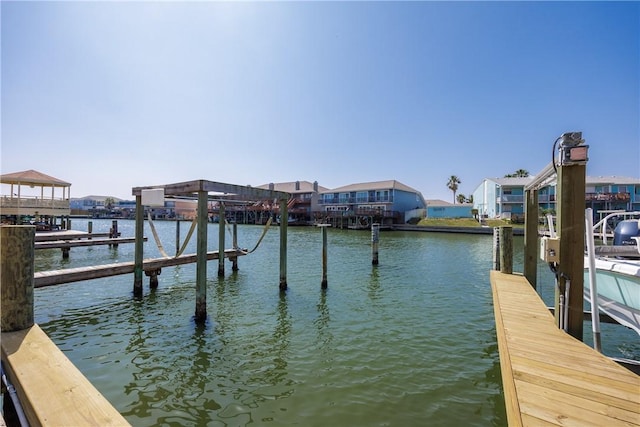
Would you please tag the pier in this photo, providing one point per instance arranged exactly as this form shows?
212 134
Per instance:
149 266
549 377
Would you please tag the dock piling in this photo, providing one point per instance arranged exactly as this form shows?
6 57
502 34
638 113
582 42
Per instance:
284 222
324 283
506 249
137 272
153 277
177 237
221 224
201 258
375 237
16 276
503 249
234 260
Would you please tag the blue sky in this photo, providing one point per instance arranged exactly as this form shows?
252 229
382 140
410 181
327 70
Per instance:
115 95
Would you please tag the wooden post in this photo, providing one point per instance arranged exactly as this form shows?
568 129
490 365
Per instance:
323 284
221 224
375 237
201 259
90 229
177 236
17 248
139 247
571 229
65 252
114 232
284 221
234 260
506 249
496 249
531 237
153 277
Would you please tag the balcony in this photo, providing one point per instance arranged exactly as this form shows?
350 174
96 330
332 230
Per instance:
607 197
510 198
354 200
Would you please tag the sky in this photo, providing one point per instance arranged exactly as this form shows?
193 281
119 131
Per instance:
114 95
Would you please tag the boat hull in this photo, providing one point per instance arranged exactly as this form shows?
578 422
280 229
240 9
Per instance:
618 287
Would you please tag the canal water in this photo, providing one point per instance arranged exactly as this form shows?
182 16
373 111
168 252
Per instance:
409 342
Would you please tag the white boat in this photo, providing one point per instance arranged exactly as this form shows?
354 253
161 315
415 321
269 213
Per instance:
616 272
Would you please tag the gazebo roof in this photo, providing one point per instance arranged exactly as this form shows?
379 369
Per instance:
32 177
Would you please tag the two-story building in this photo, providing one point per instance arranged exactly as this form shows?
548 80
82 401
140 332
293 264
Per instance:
304 200
504 197
359 205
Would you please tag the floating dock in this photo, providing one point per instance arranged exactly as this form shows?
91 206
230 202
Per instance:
549 377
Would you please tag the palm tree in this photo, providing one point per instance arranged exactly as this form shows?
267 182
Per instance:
461 198
520 173
452 184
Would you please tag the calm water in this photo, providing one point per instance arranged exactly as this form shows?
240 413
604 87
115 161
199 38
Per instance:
410 342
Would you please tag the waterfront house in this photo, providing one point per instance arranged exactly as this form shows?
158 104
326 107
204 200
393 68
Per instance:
357 205
304 199
504 197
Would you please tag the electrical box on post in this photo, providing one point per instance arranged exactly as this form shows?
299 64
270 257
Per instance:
550 249
153 197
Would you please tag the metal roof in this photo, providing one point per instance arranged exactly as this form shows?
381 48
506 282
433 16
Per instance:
376 185
290 187
32 177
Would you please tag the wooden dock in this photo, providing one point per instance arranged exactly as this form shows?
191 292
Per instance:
57 277
549 377
57 244
52 391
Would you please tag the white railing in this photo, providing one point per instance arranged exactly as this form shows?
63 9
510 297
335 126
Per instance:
604 230
7 202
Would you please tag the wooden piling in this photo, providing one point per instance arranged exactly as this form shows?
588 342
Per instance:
234 260
137 272
177 237
153 277
531 237
571 231
90 230
324 283
284 221
16 276
221 233
375 237
114 232
506 249
201 258
496 249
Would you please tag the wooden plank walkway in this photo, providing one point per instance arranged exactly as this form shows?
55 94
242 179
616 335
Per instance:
57 277
549 377
56 244
52 391
48 236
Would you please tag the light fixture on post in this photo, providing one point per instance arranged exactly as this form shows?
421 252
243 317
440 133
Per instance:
572 149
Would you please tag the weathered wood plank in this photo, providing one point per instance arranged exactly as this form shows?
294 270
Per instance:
67 235
68 275
56 244
52 391
549 377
